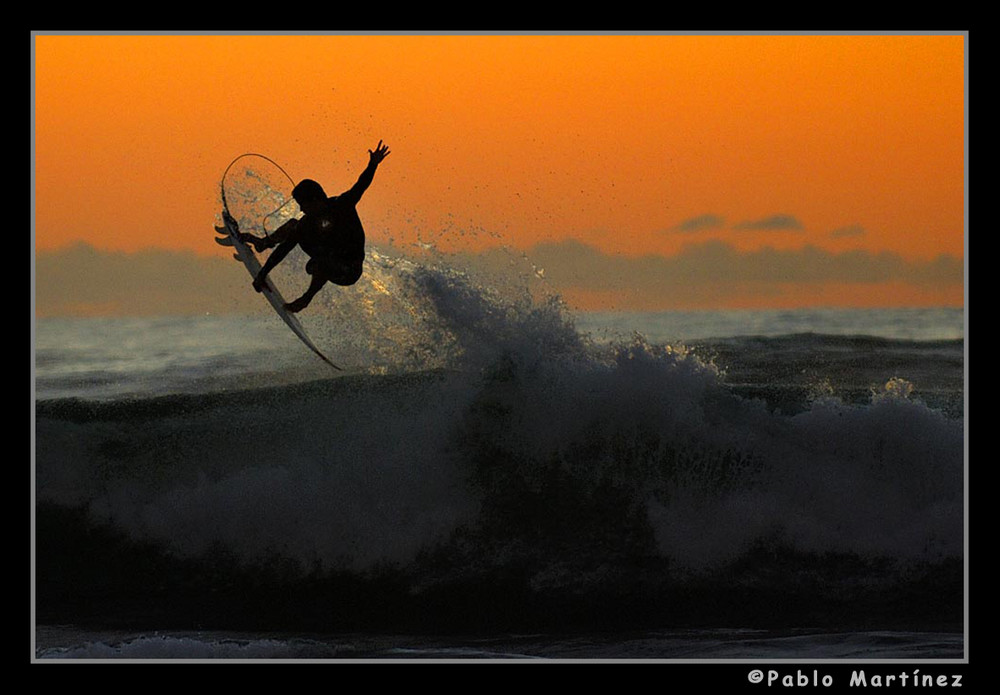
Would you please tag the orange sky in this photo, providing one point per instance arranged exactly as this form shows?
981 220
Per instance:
615 141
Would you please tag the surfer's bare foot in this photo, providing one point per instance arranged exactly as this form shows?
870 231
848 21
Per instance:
297 306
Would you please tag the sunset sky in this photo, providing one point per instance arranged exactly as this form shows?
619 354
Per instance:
634 146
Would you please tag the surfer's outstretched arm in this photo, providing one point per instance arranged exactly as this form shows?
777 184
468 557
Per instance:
375 158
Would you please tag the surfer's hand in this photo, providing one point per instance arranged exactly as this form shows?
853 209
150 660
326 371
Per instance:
259 244
380 153
258 284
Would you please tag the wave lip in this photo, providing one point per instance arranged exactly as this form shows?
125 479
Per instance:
496 467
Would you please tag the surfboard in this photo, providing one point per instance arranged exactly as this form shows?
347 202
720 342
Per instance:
245 255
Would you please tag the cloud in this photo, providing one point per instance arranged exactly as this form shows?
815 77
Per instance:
81 279
697 224
854 230
717 269
774 222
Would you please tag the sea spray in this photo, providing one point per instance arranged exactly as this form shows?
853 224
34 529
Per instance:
496 466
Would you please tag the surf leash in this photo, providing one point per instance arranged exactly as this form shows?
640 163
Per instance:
222 185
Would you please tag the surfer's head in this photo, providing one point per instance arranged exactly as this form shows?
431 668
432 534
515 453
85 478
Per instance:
307 193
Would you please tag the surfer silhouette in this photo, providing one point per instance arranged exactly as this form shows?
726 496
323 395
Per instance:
330 233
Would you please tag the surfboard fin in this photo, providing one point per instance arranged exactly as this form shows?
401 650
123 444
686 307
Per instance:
230 234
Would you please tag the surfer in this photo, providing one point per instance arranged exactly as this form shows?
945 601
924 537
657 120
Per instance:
329 232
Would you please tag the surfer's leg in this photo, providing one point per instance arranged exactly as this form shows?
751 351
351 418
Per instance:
315 285
345 273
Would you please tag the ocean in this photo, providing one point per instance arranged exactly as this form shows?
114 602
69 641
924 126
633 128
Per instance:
494 477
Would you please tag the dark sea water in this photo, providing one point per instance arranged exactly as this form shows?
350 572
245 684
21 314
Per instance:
496 478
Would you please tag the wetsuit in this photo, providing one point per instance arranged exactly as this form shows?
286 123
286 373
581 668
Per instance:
333 237
334 241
